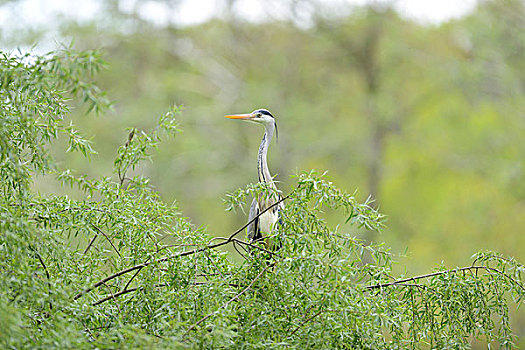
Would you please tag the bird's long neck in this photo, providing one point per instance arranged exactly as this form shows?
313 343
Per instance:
262 165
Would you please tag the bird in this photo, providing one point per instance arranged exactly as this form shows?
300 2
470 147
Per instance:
265 224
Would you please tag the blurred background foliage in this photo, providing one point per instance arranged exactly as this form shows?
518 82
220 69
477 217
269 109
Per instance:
428 119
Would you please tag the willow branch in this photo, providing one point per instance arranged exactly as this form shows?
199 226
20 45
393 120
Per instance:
177 255
402 282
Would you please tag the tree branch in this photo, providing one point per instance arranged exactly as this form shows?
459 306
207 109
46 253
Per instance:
177 255
467 268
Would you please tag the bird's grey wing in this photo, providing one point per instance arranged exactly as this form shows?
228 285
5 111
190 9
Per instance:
253 231
280 207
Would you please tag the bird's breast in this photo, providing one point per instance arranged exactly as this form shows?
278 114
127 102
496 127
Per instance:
267 221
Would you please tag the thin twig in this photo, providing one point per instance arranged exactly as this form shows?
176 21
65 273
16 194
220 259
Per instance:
122 176
90 244
306 321
257 246
46 272
175 246
238 251
87 330
229 301
109 240
122 292
112 296
133 277
316 314
40 217
214 265
413 285
144 264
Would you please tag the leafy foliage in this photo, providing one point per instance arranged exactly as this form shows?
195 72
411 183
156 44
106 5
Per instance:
34 107
120 268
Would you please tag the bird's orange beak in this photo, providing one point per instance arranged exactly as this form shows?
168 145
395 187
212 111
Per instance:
240 116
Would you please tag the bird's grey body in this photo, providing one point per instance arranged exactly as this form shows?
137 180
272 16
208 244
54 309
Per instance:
265 224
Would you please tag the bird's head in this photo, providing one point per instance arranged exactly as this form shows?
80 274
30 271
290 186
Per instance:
259 116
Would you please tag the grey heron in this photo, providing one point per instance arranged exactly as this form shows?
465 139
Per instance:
265 224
